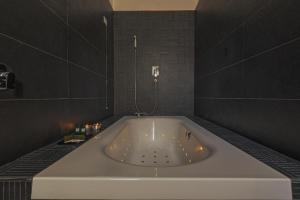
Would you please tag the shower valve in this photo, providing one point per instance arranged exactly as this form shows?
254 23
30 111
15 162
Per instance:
155 71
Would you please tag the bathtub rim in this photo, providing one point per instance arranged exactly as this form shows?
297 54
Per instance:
281 180
105 136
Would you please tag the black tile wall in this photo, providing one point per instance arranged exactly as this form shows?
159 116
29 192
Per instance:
57 49
247 69
165 39
30 21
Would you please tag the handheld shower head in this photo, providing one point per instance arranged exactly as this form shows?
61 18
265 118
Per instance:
135 41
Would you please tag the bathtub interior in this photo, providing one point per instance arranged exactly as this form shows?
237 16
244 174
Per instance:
156 142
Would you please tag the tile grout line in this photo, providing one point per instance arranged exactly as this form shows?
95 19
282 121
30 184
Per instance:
67 43
86 69
240 98
50 54
54 99
68 24
251 57
33 47
226 36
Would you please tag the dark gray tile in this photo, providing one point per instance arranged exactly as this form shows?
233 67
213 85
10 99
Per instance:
52 95
31 22
274 74
216 19
226 83
27 125
272 123
85 84
8 49
39 75
81 53
230 51
234 63
91 11
273 25
59 7
86 110
271 75
165 39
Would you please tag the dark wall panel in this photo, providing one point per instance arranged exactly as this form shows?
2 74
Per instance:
165 39
57 49
32 23
247 71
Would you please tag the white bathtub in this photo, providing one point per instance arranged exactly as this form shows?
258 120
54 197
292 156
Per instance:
159 158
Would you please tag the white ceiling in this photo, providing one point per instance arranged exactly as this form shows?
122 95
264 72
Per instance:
153 5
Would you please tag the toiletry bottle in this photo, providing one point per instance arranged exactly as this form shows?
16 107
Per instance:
82 130
77 130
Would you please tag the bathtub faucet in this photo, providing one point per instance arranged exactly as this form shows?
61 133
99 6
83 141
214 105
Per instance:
139 114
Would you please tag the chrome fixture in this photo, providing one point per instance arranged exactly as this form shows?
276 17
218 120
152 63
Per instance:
140 114
155 71
155 74
106 62
135 42
7 79
105 20
188 134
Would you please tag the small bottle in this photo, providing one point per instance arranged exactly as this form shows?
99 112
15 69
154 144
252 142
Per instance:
82 131
77 131
88 130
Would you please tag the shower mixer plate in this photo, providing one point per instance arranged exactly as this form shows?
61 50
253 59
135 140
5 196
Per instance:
155 71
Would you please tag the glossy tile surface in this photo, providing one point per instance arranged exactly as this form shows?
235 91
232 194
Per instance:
247 69
165 39
60 70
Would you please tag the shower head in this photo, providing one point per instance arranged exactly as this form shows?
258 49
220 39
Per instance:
105 20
